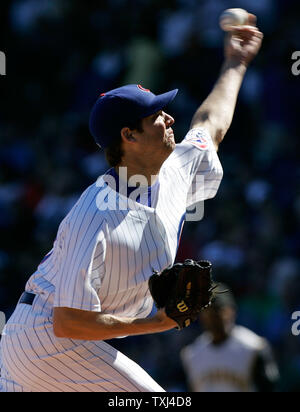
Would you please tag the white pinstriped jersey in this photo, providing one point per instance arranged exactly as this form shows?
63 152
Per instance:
102 260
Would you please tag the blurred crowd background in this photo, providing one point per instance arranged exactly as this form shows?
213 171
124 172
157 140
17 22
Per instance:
61 54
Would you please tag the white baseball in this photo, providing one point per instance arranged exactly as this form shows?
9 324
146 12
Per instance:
233 17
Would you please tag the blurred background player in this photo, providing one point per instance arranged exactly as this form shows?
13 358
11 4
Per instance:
228 357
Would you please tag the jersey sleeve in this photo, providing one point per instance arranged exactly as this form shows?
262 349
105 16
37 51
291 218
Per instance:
82 266
204 168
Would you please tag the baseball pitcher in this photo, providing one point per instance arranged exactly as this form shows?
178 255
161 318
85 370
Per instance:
94 284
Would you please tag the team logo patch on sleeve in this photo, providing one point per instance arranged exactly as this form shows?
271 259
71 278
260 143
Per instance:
198 138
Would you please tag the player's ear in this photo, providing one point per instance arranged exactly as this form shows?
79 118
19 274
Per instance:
127 135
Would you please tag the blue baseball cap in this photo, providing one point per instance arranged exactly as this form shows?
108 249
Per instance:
123 106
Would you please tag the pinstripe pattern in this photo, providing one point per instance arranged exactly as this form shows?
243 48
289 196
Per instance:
101 261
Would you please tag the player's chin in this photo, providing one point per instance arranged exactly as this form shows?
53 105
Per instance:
170 142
